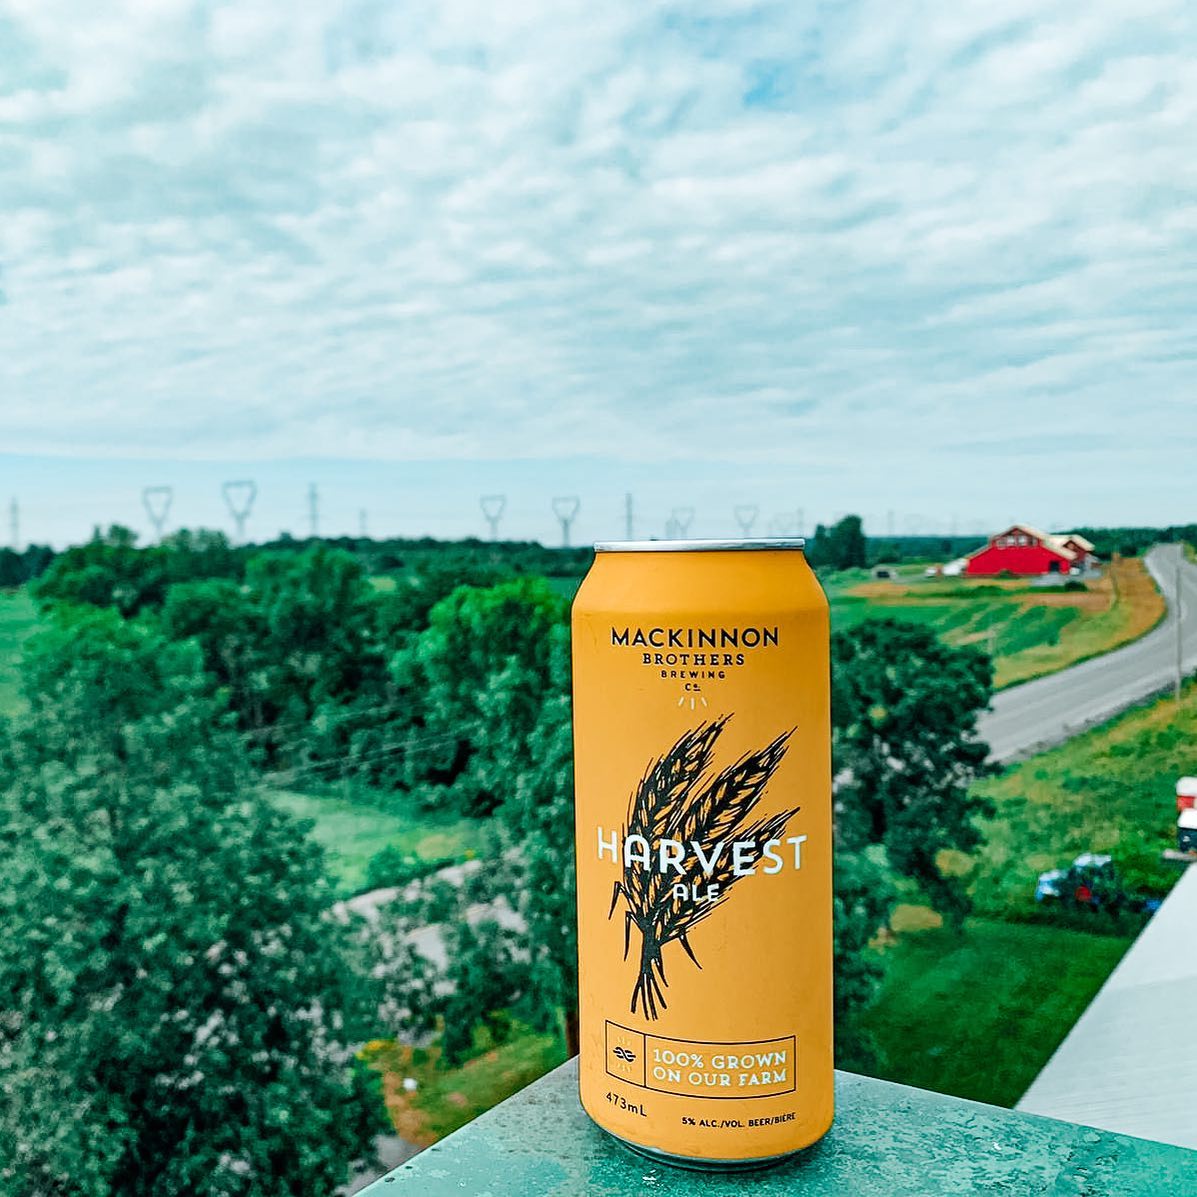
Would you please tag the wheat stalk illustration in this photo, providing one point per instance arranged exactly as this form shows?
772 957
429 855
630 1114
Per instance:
672 802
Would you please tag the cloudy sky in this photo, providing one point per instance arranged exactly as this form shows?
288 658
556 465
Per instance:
934 262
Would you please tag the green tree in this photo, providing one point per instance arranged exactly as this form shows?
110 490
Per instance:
483 668
487 980
175 1004
846 544
535 834
904 713
108 571
864 901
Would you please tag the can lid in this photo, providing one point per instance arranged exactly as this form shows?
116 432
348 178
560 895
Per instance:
792 543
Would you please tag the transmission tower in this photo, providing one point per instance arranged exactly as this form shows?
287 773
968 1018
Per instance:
313 511
493 507
746 514
14 525
566 508
362 524
782 525
239 498
629 523
681 519
157 501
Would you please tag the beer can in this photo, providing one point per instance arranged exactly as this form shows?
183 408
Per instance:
704 853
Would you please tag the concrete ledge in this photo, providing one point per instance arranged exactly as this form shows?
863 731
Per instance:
888 1141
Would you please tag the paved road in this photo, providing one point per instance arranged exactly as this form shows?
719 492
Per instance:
1049 710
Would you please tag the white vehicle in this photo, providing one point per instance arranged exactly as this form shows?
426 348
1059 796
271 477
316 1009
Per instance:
955 569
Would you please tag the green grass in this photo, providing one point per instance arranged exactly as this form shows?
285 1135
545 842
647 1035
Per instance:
449 1098
18 621
1109 790
978 1015
351 832
1030 631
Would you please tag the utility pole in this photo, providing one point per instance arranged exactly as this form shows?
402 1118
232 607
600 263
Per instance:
157 500
1180 554
313 511
629 533
14 525
493 507
746 514
239 498
565 508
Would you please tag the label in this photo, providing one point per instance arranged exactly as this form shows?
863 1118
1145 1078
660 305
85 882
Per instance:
761 1068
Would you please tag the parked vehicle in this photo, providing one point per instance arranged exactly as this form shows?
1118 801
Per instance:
1092 883
1186 830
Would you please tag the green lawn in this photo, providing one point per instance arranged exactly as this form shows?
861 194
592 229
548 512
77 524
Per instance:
1109 790
449 1098
18 621
352 832
978 1015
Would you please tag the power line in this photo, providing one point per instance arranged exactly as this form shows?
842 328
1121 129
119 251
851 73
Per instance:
746 514
239 498
565 508
157 501
313 511
493 507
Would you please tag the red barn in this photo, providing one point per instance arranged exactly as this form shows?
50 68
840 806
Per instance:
1024 550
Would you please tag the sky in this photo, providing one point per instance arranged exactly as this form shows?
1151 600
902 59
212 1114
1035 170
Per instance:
933 263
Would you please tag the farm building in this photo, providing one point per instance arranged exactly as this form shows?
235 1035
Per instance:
1021 549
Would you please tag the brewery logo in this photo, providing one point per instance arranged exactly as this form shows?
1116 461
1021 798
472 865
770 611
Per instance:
624 1053
689 838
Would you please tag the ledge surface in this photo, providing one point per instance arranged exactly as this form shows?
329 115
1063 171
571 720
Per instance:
887 1141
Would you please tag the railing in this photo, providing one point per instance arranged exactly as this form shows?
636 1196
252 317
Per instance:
887 1141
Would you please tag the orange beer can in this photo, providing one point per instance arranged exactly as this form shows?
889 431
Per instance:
702 752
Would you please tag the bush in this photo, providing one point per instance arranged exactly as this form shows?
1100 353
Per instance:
393 867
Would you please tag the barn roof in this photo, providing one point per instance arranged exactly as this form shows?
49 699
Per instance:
1055 543
1130 1063
1077 538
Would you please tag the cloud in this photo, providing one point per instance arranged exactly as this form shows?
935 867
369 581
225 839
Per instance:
794 235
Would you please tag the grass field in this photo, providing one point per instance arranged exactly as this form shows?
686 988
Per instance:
1111 789
449 1098
18 621
352 832
978 1015
1030 630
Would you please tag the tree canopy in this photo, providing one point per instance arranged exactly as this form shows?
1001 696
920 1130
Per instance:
176 1009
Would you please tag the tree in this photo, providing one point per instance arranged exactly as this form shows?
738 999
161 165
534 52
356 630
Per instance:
904 713
536 844
487 979
864 900
296 637
108 571
12 569
483 668
846 544
176 1007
